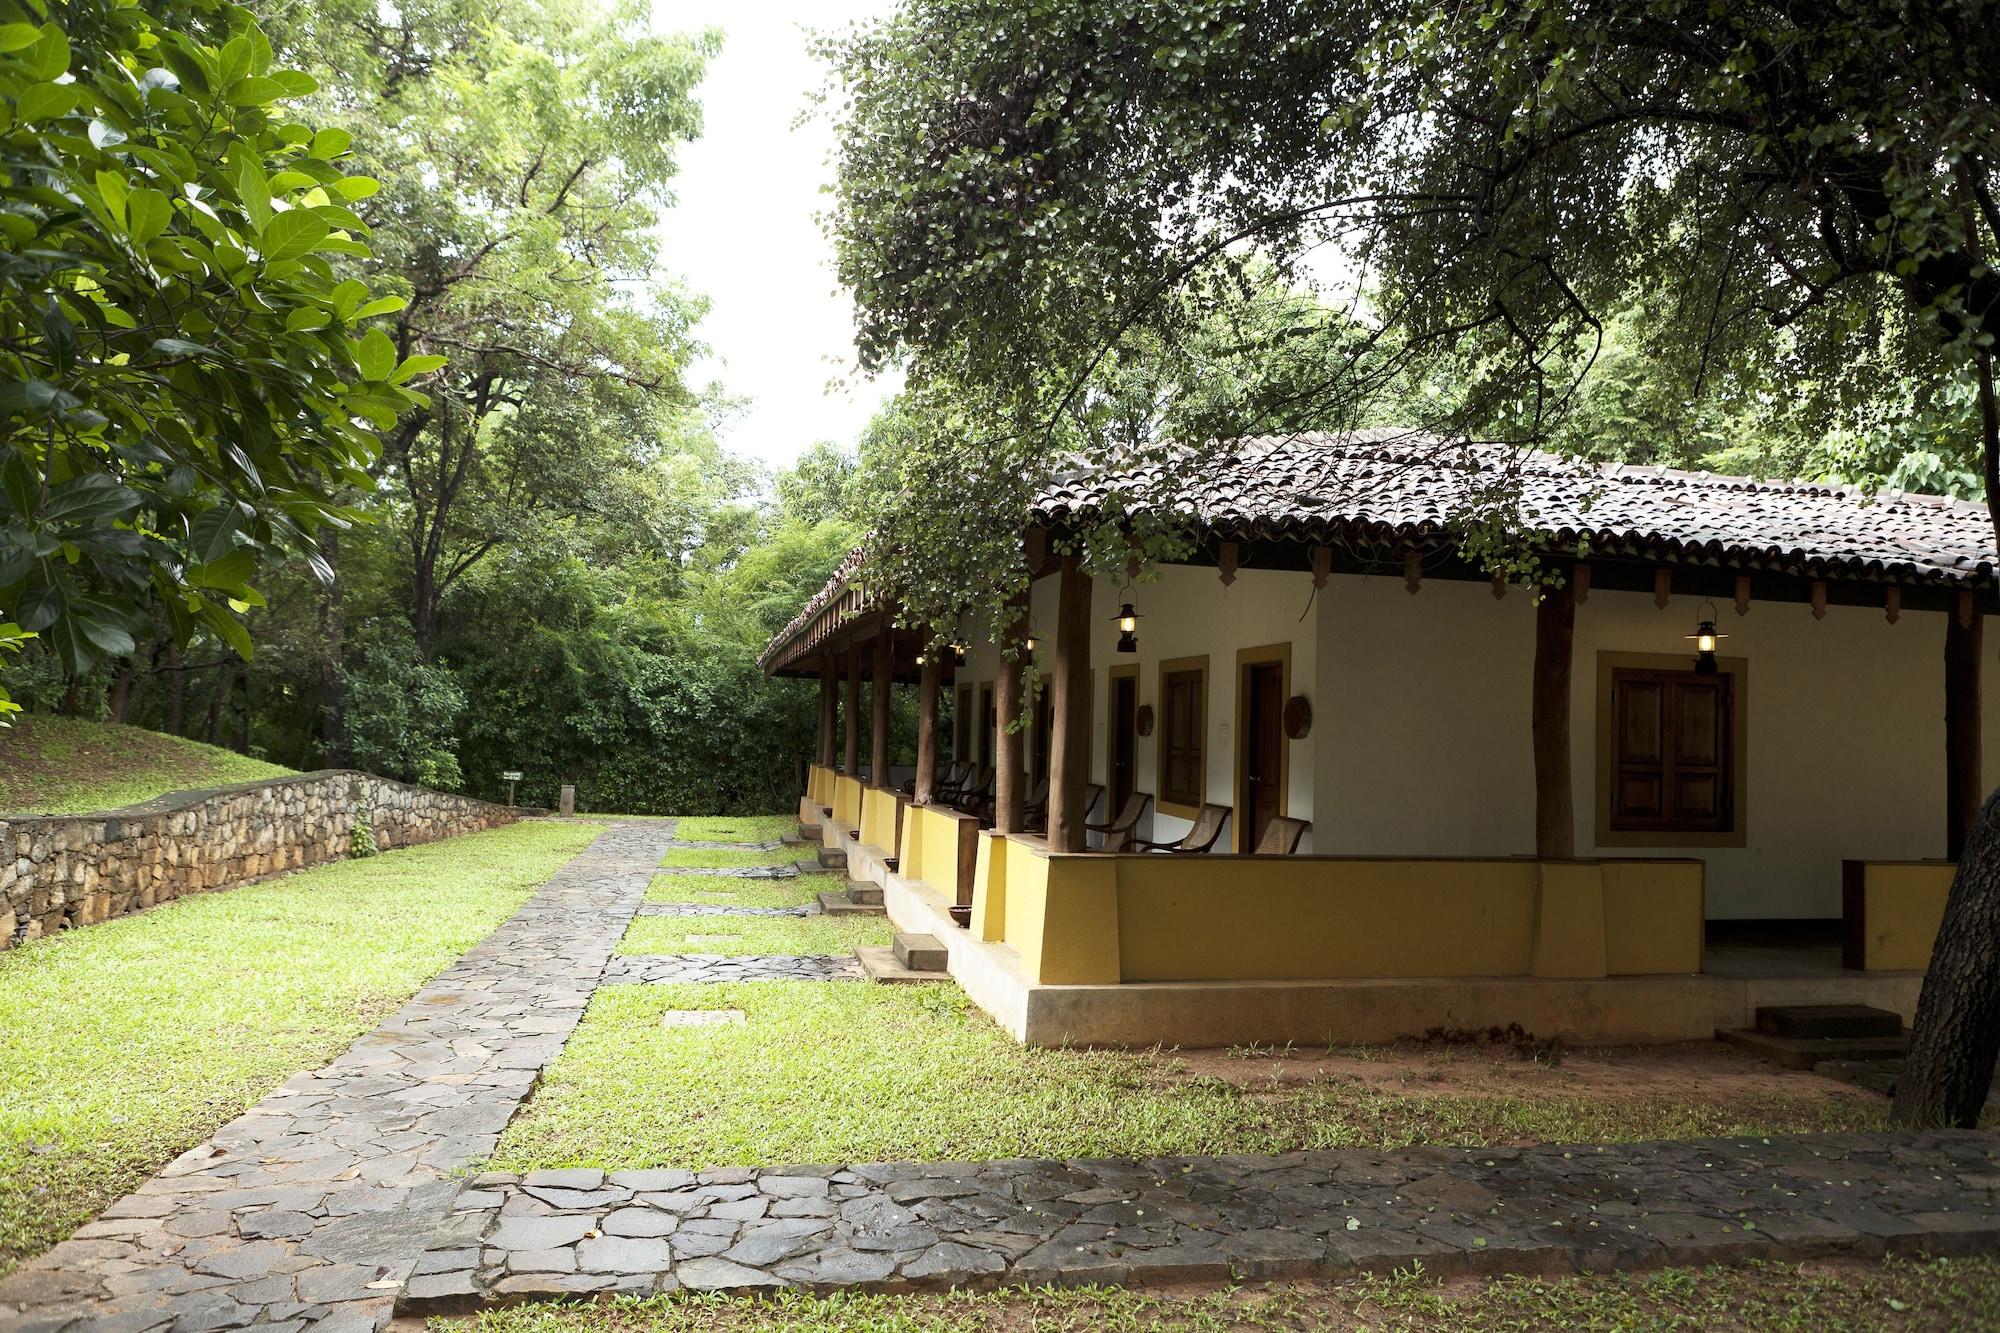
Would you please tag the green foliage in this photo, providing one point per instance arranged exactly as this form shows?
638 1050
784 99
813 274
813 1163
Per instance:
400 716
186 381
220 998
1778 216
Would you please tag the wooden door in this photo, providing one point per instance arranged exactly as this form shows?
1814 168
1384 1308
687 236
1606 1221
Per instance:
1124 741
1263 749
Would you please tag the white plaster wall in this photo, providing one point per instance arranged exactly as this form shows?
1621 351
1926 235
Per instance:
1845 747
1185 612
1425 734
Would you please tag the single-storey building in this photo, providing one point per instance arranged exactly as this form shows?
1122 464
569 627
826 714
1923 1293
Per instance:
1726 762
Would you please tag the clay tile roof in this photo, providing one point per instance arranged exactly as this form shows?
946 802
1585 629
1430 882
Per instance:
1398 486
1401 487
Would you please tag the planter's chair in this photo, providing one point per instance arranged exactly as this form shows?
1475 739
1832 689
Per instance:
1119 835
945 783
960 787
1037 817
978 797
1208 825
1036 807
1281 836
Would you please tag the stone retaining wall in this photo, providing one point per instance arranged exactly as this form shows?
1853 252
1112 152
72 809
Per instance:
58 871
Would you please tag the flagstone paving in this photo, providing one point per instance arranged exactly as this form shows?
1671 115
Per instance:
723 909
312 1207
659 969
334 1204
1177 1219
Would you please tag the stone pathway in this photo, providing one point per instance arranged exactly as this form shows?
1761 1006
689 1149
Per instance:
313 1207
785 870
656 969
723 909
1182 1219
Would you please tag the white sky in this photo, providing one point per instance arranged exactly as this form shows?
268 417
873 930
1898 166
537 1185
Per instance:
743 231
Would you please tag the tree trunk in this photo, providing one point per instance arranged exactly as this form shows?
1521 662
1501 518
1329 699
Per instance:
927 725
1555 808
1956 1037
332 634
216 700
118 699
1069 746
1010 739
176 690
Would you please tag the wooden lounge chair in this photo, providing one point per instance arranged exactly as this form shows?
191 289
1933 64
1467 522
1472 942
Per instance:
1208 825
977 798
955 784
945 781
1281 836
1036 818
1118 833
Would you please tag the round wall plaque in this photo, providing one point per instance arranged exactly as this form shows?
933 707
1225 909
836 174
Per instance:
1142 721
1298 717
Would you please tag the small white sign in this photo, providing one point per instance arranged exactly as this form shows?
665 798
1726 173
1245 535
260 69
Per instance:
511 775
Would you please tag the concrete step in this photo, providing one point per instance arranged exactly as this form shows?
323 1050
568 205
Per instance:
809 833
861 891
833 858
835 903
881 966
1854 1021
919 953
1805 1052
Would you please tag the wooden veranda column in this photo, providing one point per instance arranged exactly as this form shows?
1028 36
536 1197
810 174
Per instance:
851 756
1069 746
928 683
829 707
1555 810
878 706
1964 628
1008 765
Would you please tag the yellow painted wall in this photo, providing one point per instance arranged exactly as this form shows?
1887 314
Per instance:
1653 913
1238 917
847 799
989 888
878 819
819 785
930 849
1903 906
1093 919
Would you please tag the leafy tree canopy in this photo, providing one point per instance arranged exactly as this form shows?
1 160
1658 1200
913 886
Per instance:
1784 214
186 383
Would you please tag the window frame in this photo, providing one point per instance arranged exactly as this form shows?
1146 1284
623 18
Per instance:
1173 667
1737 671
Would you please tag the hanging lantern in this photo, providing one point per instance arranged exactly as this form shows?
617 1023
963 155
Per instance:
1705 639
958 654
1128 629
1031 643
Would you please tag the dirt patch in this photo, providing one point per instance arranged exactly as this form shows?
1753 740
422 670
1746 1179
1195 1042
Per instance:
1701 1071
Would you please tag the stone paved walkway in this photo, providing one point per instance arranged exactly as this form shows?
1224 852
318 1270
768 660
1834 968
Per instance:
785 870
312 1207
1546 1210
723 909
655 969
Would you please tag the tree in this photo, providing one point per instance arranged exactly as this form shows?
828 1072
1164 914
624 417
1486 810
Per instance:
185 382
528 147
1023 186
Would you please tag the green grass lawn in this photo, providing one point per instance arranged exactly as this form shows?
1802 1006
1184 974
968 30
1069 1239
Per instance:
727 891
60 765
124 1044
754 934
728 858
830 1073
736 828
1825 1298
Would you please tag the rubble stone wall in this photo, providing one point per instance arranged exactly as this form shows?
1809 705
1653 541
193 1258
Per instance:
58 871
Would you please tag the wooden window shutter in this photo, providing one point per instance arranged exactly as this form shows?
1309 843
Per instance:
1671 766
1182 771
